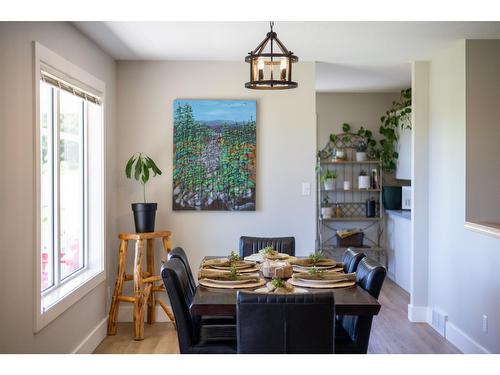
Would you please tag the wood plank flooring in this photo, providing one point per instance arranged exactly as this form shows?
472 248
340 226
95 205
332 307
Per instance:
391 332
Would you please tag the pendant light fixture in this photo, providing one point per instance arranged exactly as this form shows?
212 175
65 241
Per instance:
271 70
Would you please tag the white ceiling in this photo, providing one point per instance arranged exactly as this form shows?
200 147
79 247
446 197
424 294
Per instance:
351 56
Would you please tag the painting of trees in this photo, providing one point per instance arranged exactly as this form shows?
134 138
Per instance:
214 155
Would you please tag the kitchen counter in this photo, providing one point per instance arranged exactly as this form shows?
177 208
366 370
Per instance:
405 214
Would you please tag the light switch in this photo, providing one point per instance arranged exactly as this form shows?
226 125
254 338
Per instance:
306 188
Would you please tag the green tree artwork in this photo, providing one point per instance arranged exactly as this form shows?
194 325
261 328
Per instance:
214 155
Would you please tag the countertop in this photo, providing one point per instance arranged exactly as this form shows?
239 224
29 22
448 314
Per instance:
405 214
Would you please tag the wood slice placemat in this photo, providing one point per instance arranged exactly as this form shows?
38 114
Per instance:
210 284
341 284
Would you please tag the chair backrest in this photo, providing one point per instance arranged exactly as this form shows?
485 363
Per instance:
278 324
176 282
370 276
351 259
252 245
179 253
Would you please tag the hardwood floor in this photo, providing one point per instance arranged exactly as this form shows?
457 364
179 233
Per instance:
391 332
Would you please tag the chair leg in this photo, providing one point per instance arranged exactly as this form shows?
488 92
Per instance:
115 303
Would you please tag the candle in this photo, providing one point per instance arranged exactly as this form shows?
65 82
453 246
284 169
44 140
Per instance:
260 67
283 64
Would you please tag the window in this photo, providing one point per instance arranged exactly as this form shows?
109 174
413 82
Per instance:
70 184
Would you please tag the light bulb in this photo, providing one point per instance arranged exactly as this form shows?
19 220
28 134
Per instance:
283 65
260 67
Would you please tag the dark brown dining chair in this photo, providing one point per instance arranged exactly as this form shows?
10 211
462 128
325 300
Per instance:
352 332
351 259
286 323
252 245
193 338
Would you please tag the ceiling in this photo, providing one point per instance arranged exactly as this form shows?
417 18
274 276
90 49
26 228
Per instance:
351 56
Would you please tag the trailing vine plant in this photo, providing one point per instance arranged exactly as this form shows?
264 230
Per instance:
398 116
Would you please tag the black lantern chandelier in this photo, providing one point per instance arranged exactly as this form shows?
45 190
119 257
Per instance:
271 70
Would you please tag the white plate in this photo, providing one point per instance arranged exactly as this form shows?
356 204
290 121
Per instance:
295 290
342 284
229 282
309 281
242 267
302 268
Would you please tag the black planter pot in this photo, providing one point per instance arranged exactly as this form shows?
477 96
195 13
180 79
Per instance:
144 216
391 197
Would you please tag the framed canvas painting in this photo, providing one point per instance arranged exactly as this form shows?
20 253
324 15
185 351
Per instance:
214 155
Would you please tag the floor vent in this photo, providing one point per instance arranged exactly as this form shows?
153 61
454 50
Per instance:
439 319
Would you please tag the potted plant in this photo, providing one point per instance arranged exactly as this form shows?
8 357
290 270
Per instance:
361 150
328 179
144 213
363 180
326 210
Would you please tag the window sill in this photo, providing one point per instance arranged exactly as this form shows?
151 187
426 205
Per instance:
55 302
491 229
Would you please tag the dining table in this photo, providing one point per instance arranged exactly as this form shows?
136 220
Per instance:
352 300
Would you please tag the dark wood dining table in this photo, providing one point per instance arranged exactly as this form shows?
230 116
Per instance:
352 300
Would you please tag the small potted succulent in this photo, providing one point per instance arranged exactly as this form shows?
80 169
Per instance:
363 180
328 179
326 209
143 168
361 150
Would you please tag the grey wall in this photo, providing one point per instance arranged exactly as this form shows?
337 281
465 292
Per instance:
17 201
286 135
483 131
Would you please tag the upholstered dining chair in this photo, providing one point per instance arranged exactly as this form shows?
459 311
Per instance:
252 245
285 324
352 332
351 259
180 254
193 338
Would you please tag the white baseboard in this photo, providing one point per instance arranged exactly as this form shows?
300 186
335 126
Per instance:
94 338
462 341
125 314
419 314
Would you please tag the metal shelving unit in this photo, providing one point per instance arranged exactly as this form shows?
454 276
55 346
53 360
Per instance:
352 202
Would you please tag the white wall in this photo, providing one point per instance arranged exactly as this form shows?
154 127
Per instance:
463 265
356 109
17 201
286 135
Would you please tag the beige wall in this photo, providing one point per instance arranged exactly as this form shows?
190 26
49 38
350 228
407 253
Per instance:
356 109
286 135
483 131
464 296
17 200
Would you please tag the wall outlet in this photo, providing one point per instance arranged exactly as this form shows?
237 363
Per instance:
485 323
306 188
439 319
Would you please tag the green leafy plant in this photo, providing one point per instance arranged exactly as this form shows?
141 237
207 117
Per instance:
144 167
314 271
233 273
397 117
328 175
316 257
233 256
277 282
267 250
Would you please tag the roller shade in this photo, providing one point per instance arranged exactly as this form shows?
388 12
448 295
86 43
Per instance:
69 87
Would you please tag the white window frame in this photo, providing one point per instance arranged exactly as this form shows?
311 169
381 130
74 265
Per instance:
58 299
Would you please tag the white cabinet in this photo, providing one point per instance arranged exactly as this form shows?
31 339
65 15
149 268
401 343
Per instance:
403 163
398 245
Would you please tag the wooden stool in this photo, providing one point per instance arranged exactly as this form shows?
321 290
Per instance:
144 282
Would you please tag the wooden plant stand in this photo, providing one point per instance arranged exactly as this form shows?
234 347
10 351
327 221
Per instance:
144 281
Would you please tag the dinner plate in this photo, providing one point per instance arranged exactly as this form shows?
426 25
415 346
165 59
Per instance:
342 284
210 284
238 267
309 281
230 282
279 256
305 269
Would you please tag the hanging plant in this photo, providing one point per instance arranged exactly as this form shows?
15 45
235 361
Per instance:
397 117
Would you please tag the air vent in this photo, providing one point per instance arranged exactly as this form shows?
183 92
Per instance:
439 319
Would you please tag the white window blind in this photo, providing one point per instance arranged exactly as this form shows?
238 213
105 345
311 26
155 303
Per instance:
69 87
